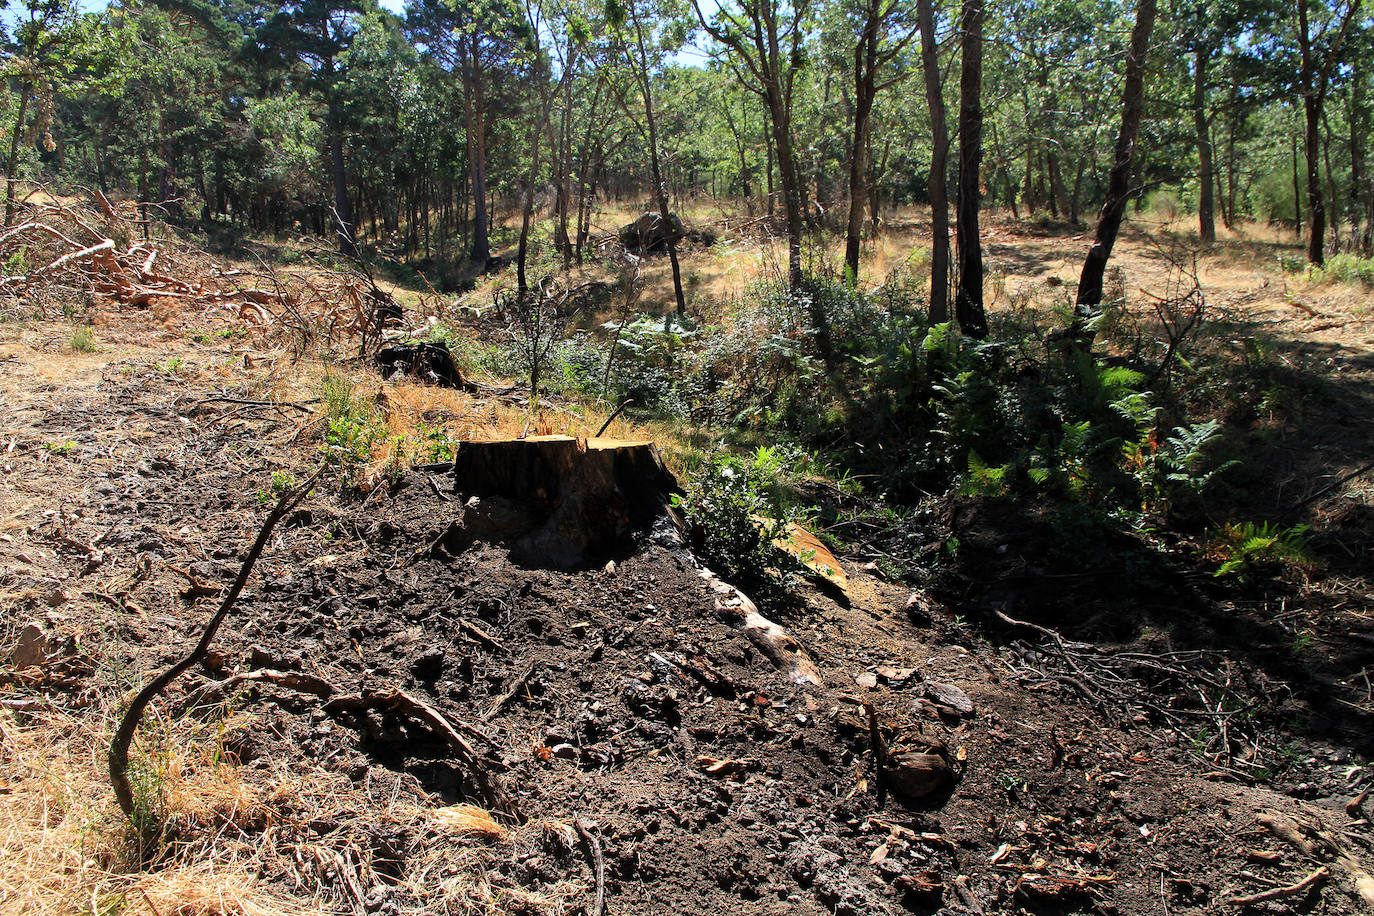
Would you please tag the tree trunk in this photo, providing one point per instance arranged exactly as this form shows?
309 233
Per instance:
1360 190
939 201
480 254
12 166
1119 179
1297 188
1313 82
1331 185
1207 228
660 189
865 88
968 302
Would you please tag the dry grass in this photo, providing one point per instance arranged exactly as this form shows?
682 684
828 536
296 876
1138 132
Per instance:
229 845
470 822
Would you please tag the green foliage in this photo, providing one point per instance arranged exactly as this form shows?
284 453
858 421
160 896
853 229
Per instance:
433 445
1245 548
352 428
83 339
1176 468
737 514
282 481
1345 267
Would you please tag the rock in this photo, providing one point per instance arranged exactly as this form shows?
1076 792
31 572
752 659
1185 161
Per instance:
650 234
916 775
918 610
33 648
949 696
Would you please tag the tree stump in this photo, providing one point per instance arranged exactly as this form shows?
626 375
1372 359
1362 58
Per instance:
561 502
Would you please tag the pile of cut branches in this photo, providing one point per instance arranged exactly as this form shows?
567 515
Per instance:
73 252
62 252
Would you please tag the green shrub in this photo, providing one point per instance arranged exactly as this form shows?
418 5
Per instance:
1346 268
83 340
736 511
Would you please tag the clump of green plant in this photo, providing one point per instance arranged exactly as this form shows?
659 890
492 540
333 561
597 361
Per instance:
352 428
1246 548
282 481
738 515
83 339
1175 468
1346 268
59 448
17 264
433 444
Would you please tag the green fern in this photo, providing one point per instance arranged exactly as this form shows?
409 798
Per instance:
1245 545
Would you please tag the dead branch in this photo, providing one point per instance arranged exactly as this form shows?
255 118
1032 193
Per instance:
1279 893
593 848
106 245
128 724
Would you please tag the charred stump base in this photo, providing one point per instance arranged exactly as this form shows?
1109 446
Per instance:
566 503
560 502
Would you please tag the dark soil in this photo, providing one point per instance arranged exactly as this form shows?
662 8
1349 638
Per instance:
725 791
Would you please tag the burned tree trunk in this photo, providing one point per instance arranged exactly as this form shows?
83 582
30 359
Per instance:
1119 179
939 199
558 501
968 301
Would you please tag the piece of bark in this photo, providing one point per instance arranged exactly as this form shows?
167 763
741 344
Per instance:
772 640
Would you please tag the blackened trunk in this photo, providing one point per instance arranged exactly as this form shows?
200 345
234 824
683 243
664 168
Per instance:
656 172
968 302
343 207
1207 227
12 166
1119 179
939 201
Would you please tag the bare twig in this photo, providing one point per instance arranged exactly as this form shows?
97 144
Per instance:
521 683
1278 893
124 734
611 419
593 849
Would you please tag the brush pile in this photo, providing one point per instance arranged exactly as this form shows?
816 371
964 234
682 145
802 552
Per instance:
61 253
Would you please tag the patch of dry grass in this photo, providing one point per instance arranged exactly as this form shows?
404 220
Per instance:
229 842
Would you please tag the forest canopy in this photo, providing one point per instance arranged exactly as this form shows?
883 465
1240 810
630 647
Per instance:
416 134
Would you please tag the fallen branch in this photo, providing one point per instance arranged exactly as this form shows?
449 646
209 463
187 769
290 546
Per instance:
106 245
124 734
1279 893
593 848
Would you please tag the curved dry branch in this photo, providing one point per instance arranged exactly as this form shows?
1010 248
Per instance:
124 734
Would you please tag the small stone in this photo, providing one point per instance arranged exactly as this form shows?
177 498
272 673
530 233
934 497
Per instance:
32 649
943 694
915 775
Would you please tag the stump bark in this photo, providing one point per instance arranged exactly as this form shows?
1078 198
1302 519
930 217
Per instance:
560 501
